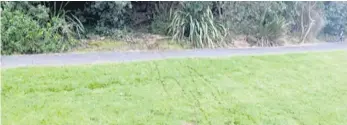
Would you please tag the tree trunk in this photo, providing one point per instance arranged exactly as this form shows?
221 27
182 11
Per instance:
302 21
311 22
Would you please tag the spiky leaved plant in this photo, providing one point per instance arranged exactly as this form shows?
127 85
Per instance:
271 28
194 23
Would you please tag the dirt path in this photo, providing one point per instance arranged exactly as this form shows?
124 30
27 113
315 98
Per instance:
106 57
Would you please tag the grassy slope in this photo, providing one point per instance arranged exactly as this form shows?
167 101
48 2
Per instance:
111 45
288 89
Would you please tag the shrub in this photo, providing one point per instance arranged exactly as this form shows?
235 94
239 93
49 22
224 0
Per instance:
160 22
244 17
108 15
23 33
336 16
264 21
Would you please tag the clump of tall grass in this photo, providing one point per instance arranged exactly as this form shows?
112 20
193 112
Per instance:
194 24
271 29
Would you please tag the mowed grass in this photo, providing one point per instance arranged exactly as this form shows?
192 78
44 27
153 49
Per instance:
290 89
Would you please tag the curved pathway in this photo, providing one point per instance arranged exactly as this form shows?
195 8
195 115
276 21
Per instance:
105 57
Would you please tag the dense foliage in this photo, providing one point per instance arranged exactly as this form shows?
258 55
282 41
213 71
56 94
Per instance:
107 16
30 28
263 20
39 27
336 16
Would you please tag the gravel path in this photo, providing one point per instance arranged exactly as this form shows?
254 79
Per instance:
106 57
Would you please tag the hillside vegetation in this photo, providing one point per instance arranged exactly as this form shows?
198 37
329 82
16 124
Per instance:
43 27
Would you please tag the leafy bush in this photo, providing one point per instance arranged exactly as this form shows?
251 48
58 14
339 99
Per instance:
159 25
21 34
263 20
108 15
244 17
194 23
336 16
24 33
160 22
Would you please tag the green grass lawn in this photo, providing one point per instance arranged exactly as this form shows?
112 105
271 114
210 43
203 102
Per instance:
291 89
